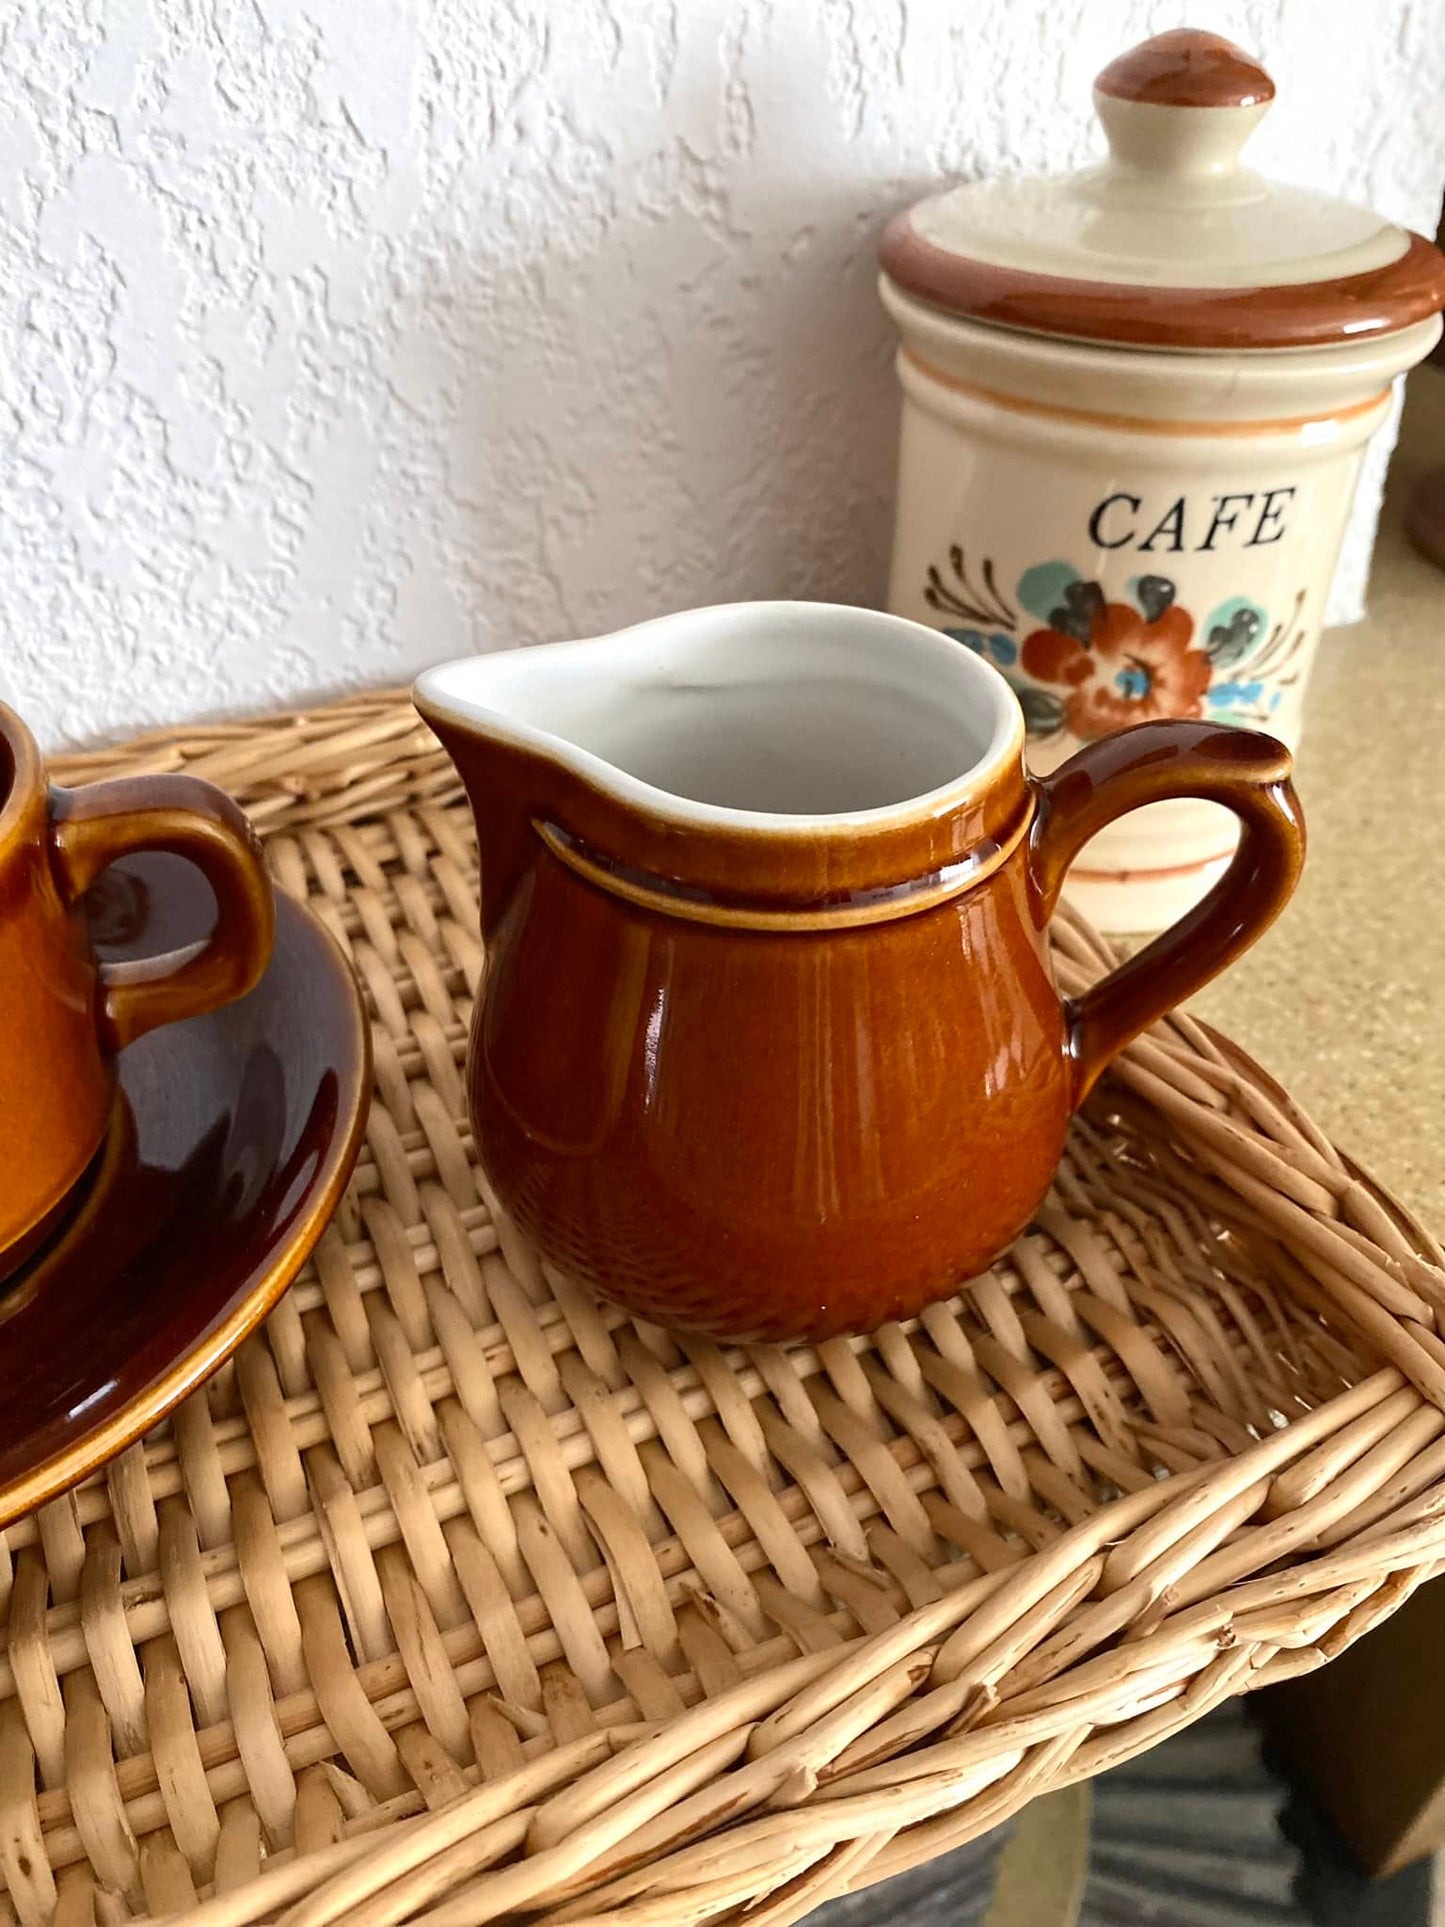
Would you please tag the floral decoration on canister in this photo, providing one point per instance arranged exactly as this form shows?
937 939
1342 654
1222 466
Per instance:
1095 666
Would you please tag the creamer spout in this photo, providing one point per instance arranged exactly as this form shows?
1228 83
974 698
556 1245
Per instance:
482 710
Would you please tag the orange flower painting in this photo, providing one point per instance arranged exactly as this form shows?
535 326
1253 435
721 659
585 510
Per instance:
1128 666
1097 665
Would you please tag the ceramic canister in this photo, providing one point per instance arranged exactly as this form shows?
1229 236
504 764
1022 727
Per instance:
1135 405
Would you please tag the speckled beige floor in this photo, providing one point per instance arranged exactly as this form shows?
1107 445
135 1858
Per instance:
1344 1000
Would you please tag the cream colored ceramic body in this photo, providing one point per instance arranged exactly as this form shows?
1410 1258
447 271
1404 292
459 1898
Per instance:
1182 512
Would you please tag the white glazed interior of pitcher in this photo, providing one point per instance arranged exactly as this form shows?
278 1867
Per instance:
771 713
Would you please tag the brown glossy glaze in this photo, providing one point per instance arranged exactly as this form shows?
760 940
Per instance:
63 1014
1187 68
226 1146
1293 315
787 1087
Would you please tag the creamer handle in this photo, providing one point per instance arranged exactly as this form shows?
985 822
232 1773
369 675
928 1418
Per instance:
1249 773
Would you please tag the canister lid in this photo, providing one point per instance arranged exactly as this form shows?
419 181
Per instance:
1170 242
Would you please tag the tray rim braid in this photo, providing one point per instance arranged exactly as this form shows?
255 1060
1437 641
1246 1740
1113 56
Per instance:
843 1745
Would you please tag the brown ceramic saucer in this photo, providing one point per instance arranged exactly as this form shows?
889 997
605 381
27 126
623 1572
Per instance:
231 1138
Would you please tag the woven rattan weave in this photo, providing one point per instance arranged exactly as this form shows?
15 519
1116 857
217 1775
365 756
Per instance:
459 1597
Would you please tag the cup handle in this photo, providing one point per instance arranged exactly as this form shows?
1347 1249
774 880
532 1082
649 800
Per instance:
92 826
1244 770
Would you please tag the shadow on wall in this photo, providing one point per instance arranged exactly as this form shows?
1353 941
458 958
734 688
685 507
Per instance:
683 423
686 401
676 415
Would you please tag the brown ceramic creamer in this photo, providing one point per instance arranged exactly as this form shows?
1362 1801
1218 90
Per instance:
768 1043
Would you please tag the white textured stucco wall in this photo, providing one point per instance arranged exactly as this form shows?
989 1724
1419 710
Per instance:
338 336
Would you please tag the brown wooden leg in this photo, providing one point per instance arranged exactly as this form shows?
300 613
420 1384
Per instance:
1365 1736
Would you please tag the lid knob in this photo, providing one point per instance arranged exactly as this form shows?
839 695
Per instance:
1183 104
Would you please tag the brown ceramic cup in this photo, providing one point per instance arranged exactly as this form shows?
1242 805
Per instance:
769 1043
64 1014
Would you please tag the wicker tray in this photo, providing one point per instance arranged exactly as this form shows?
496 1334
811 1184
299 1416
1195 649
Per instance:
459 1597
